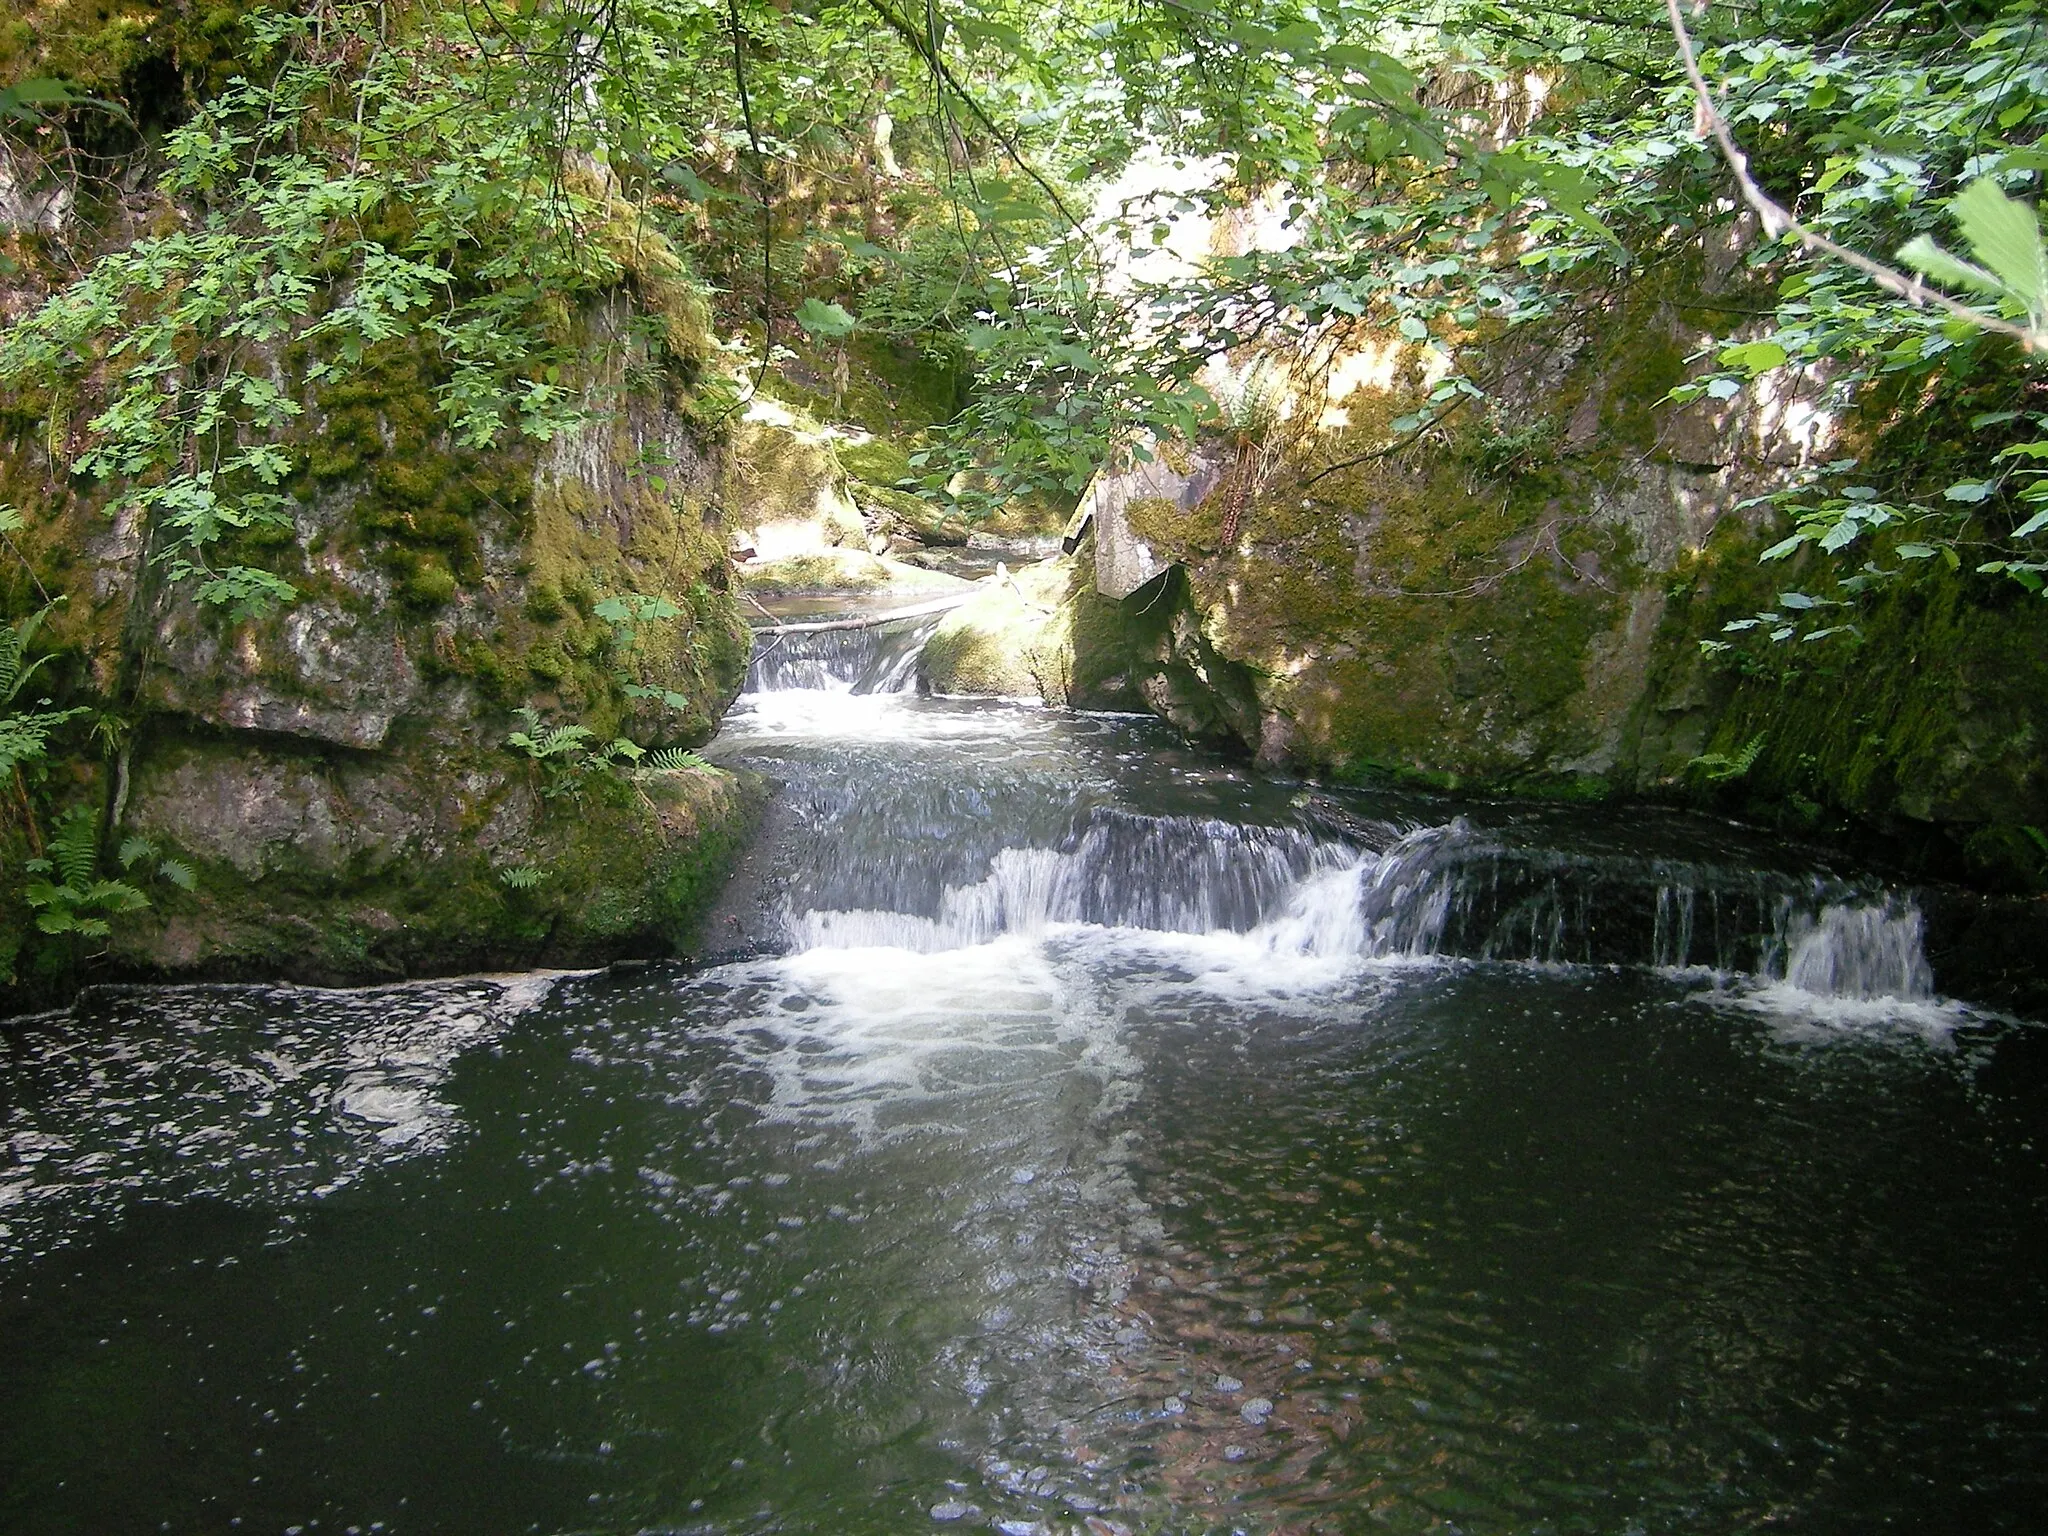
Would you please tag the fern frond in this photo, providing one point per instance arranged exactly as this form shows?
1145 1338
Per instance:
179 873
134 850
112 896
672 760
15 640
75 846
1724 767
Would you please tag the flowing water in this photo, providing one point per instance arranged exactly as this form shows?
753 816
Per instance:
1081 1135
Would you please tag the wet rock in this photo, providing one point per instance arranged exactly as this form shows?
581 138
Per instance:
1256 1411
1235 1453
951 1510
1229 1384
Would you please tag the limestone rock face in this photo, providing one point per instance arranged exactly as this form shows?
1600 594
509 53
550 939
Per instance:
1514 598
338 770
1046 632
386 864
1169 486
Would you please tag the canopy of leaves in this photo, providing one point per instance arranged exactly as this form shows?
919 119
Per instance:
943 175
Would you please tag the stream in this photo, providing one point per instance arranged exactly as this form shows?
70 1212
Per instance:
1077 1133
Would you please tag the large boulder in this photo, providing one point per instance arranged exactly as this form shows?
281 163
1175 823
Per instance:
1046 632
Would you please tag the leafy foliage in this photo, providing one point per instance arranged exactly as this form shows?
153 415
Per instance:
25 733
344 194
68 897
567 755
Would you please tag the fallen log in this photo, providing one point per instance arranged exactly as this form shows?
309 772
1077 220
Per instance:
871 620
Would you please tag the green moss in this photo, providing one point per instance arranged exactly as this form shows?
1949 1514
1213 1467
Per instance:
879 461
1015 640
429 584
626 872
893 390
544 603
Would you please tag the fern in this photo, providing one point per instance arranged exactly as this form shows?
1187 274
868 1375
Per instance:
15 668
1726 768
139 850
522 877
543 742
75 847
82 903
672 760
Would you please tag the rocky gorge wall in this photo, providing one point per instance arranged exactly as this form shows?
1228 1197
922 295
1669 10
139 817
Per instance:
337 771
1513 599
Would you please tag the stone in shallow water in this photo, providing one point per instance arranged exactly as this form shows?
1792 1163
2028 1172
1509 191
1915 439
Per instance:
1256 1411
1023 1528
953 1509
1235 1453
1229 1384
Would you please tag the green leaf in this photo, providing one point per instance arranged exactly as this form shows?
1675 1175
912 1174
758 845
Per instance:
1754 357
1968 491
827 322
1930 260
2006 236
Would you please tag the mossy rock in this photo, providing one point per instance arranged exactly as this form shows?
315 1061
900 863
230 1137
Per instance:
425 873
1013 639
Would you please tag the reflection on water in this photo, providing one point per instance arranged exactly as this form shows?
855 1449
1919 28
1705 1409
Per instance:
1113 1143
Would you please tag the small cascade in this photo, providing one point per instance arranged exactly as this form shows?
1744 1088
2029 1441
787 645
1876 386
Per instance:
1444 891
1117 869
879 658
965 835
1862 953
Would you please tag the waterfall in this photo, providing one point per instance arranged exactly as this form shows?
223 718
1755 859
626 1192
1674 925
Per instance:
1432 892
949 852
881 658
1860 952
1168 874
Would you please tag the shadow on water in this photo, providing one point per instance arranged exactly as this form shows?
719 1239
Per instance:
1099 1139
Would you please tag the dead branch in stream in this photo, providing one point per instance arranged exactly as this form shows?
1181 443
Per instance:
872 620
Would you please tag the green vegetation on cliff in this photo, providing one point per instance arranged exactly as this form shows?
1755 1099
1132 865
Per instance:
375 371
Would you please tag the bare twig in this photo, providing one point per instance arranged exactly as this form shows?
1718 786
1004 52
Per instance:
1778 220
1388 450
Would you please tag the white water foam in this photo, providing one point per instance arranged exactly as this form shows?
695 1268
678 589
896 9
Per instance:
1336 904
1860 953
307 1088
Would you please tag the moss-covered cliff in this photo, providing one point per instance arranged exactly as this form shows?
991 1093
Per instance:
1511 598
337 769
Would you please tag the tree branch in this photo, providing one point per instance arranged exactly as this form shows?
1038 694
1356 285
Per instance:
922 47
1778 220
